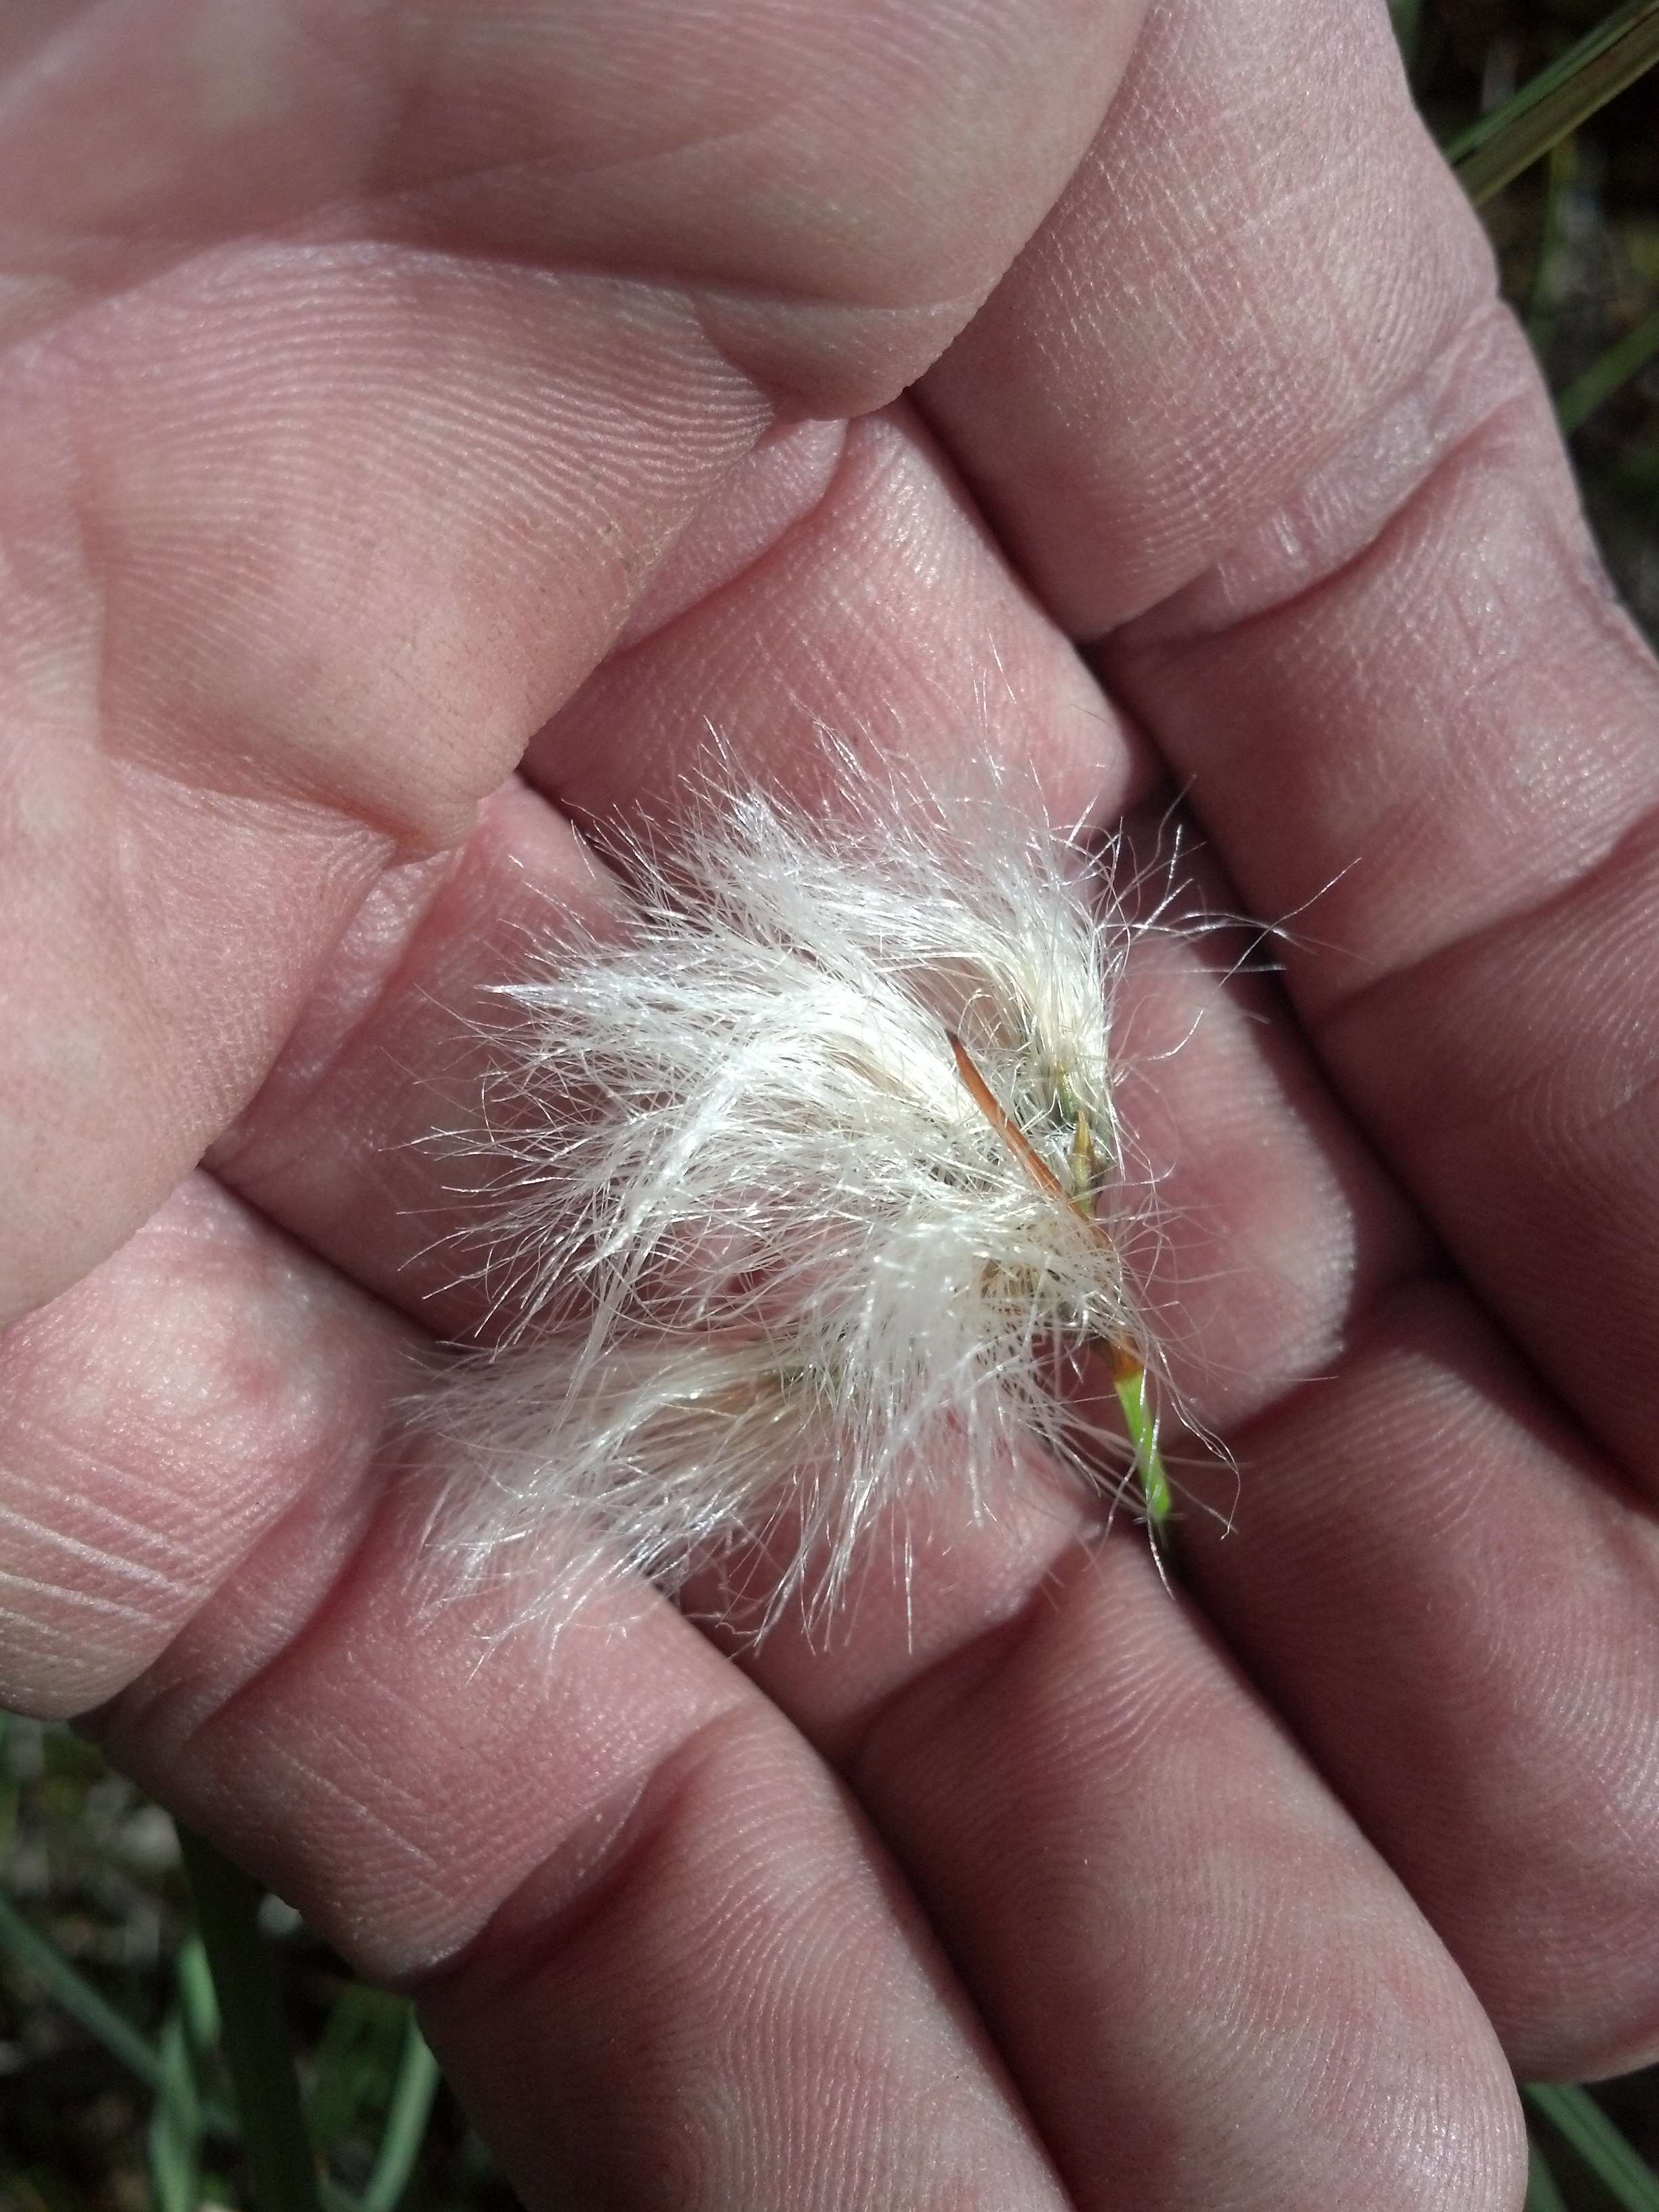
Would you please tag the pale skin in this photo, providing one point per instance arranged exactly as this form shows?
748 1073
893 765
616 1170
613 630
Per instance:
397 396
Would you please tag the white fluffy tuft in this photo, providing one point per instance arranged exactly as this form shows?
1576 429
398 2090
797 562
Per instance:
814 1200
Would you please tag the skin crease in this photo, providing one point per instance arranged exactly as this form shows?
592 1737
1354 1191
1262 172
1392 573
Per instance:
395 397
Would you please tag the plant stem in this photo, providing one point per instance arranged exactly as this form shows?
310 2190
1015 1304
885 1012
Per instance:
1577 2116
173 2141
405 2125
78 1998
282 2173
1130 1381
1603 378
1500 145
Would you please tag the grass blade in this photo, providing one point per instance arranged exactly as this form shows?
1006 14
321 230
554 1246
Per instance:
174 2138
353 2062
70 1990
281 2174
405 2124
1603 378
1575 2115
1497 149
1553 277
76 1995
197 1997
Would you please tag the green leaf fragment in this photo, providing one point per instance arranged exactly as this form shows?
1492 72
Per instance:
1142 1424
1500 146
70 1989
1576 2114
1604 377
174 2137
281 2171
405 2125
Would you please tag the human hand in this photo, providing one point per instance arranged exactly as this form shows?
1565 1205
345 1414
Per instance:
371 373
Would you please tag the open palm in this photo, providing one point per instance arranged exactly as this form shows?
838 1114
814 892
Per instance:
420 422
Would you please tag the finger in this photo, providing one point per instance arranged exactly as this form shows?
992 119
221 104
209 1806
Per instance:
871 612
891 623
367 1138
663 1959
1286 254
370 370
202 1401
1332 533
1207 1983
1454 1605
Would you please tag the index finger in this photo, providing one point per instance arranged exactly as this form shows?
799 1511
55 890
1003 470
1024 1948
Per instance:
1252 420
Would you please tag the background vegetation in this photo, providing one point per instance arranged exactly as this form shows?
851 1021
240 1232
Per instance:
118 2077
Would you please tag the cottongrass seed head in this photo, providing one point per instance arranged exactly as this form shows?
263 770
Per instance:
811 1204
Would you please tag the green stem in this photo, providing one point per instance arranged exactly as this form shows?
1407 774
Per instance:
197 1998
1544 307
1599 2143
405 2125
78 1998
1603 378
282 2173
1143 1435
1501 145
174 2138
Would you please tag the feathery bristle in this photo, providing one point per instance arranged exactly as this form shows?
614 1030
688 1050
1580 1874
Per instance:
814 1200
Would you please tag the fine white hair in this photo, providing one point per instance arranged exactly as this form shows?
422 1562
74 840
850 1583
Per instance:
810 1199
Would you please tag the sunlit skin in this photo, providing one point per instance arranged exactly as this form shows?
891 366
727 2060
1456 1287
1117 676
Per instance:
422 423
